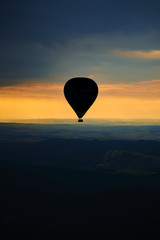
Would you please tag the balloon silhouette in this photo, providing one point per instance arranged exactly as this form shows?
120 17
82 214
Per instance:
80 92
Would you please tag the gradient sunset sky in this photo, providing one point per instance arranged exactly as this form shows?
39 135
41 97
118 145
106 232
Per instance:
45 43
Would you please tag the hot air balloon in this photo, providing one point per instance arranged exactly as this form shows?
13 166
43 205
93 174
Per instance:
80 92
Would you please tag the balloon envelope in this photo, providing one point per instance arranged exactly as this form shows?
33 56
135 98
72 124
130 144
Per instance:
80 93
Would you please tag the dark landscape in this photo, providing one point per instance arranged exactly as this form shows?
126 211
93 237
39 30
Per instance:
79 184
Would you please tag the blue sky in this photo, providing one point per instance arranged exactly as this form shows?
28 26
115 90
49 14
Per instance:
51 41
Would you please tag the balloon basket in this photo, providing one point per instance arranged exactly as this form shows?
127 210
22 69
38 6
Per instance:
80 120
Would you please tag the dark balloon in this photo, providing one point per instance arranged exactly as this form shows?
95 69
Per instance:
80 93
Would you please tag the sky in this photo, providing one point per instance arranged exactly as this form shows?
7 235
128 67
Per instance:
45 43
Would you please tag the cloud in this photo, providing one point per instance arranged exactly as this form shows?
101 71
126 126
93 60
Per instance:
78 56
48 90
22 62
32 91
141 89
139 54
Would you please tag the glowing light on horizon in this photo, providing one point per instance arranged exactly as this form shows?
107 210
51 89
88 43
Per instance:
138 100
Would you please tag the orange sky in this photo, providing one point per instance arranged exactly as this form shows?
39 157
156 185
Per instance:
138 100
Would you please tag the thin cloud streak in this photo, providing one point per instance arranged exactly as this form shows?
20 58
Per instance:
139 54
141 89
32 90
